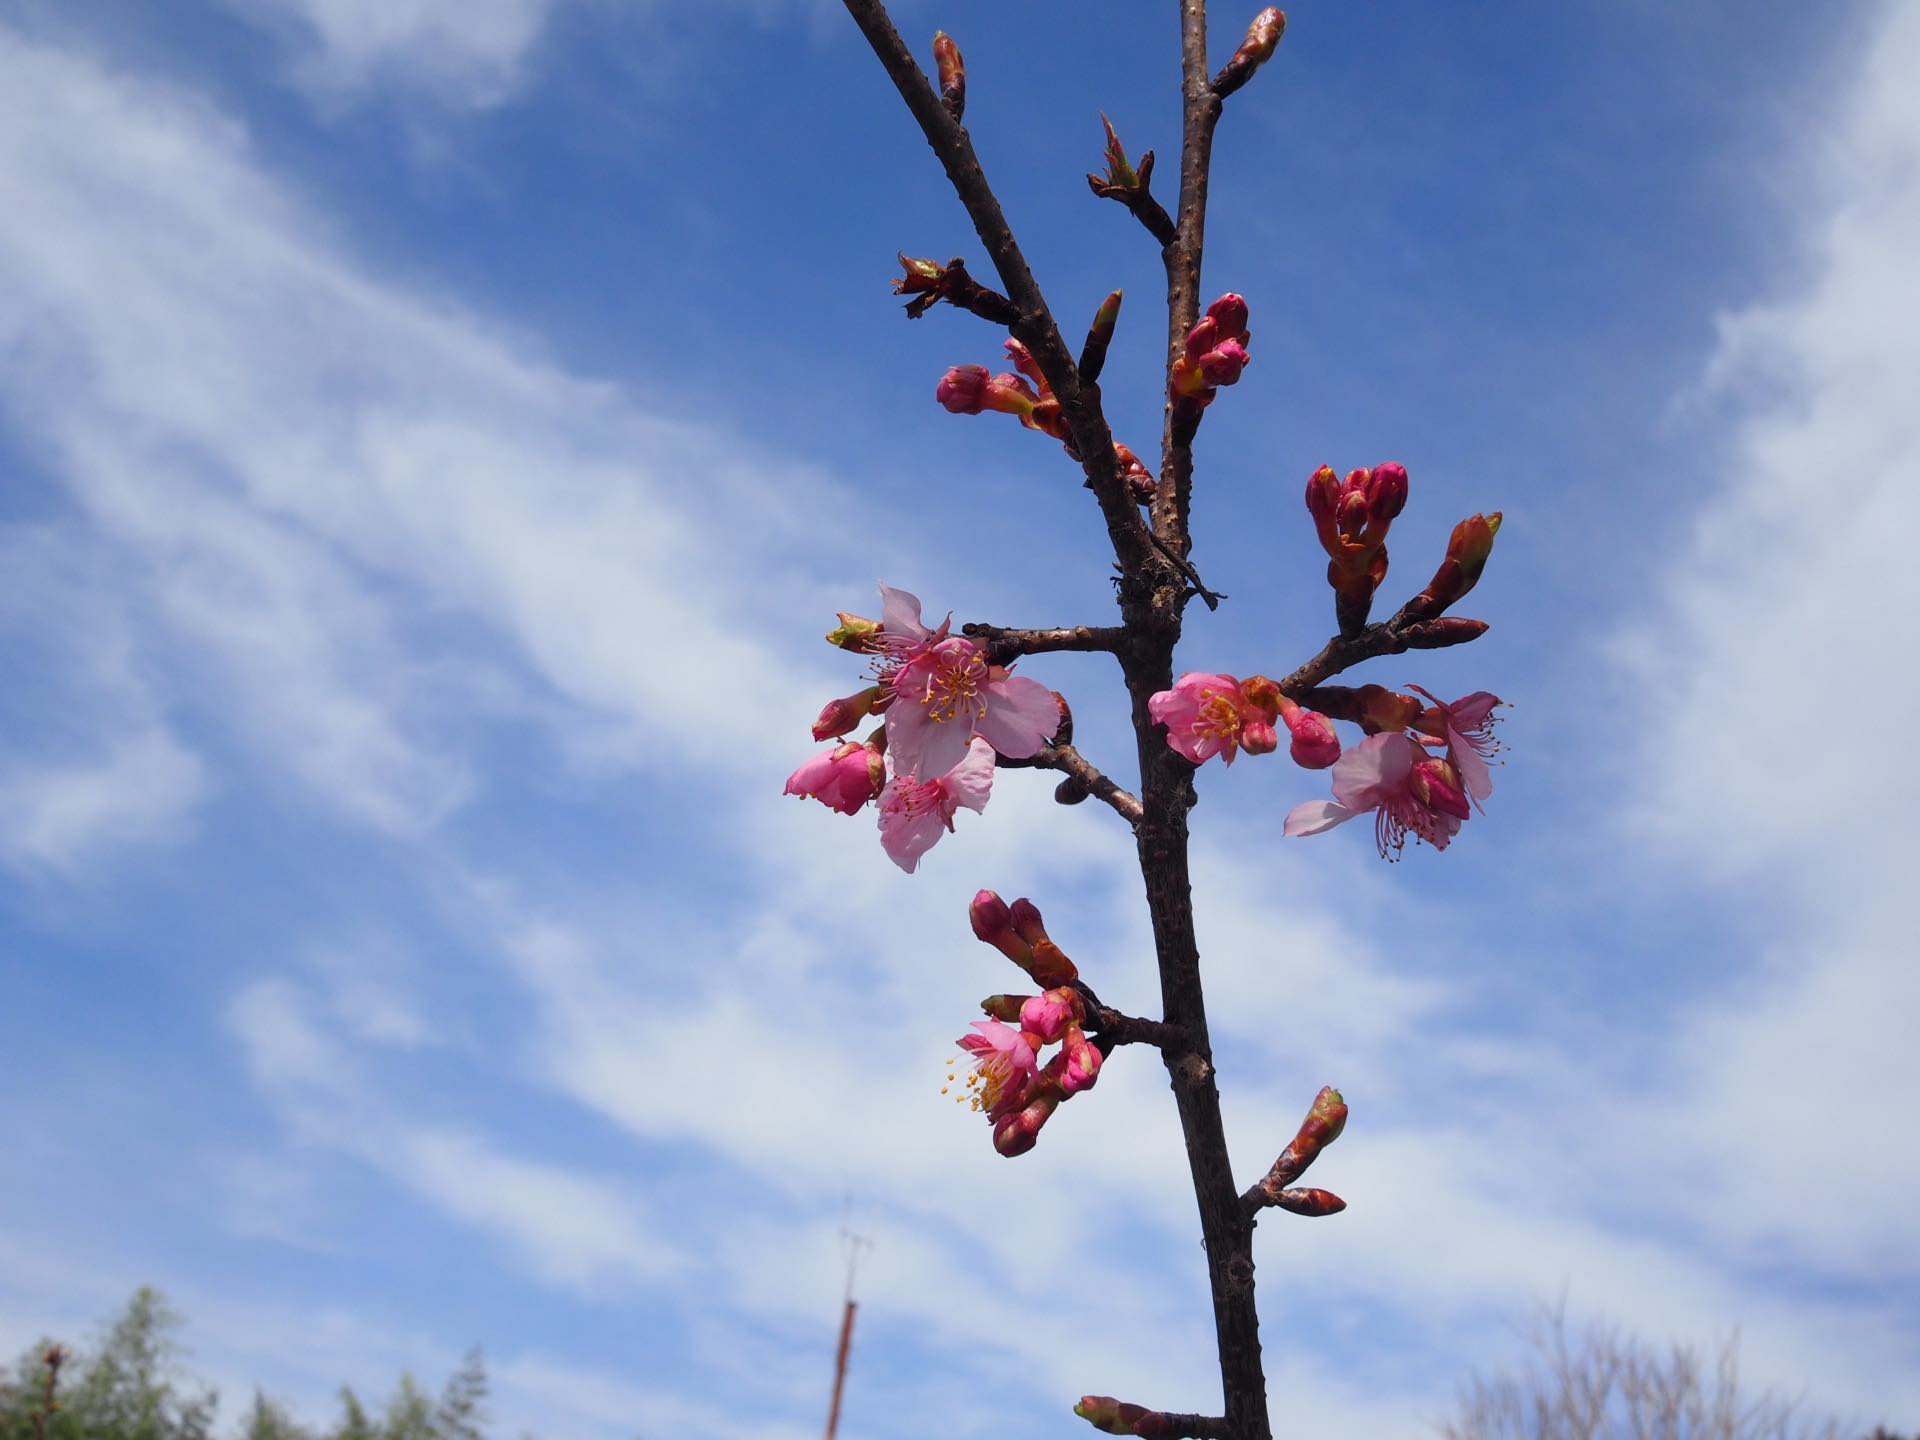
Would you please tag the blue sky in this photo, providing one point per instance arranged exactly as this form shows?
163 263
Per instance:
433 438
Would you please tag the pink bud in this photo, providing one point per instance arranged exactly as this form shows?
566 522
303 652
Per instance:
1315 744
993 923
1222 364
1437 786
1386 492
1048 1016
1082 1065
1025 917
1016 1133
963 389
1257 737
844 714
1312 1203
1230 313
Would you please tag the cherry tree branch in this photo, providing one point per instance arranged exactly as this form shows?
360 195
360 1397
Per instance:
1082 774
1035 327
1112 1028
1005 643
1389 637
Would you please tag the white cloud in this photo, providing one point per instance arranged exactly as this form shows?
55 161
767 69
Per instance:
470 50
578 1231
137 792
1782 679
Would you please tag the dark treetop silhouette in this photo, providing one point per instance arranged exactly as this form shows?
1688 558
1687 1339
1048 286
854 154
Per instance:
953 713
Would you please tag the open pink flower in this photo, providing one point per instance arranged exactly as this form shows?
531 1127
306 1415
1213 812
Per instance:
1003 1066
1467 728
843 778
901 635
1206 715
947 694
915 813
1408 790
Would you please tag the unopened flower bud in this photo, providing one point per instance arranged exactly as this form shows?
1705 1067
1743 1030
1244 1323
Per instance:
1258 737
1139 479
1311 1203
1005 1008
846 713
1437 634
1315 744
1222 364
963 389
1048 1016
1047 963
1386 491
1121 1417
853 632
1436 784
1467 552
1016 1133
1230 315
1093 354
1080 1062
1263 38
1027 922
1323 495
993 924
953 74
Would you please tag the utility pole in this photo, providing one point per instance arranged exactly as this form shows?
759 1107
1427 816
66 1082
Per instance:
853 1244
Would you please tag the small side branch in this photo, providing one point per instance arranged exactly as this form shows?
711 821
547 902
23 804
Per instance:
1081 772
1389 637
1004 643
1112 1028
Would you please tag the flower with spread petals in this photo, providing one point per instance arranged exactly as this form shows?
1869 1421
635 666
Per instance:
1408 791
844 778
1466 726
1003 1066
1206 715
915 813
947 694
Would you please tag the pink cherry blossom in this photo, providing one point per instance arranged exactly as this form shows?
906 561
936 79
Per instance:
915 813
1079 1062
947 694
843 778
1047 1017
1467 728
1409 792
1206 715
1003 1066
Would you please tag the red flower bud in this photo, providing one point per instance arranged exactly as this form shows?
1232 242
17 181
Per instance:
844 714
953 73
1311 1203
1263 38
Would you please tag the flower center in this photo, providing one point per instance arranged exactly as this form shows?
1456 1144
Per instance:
1219 717
953 689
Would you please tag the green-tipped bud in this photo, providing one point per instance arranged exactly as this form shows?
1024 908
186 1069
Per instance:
853 632
1004 1008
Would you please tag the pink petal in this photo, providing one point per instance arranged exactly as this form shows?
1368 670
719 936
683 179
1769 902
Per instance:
1316 817
969 783
906 835
1020 716
900 612
1473 770
1374 770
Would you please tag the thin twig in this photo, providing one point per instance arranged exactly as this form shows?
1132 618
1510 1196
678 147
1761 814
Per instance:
1115 1028
1092 437
1389 637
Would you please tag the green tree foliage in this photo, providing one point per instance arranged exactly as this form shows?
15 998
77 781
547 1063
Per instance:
132 1385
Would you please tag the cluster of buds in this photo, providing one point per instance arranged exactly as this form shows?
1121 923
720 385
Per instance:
1352 517
1208 715
969 389
1214 355
948 714
1025 394
1009 1083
